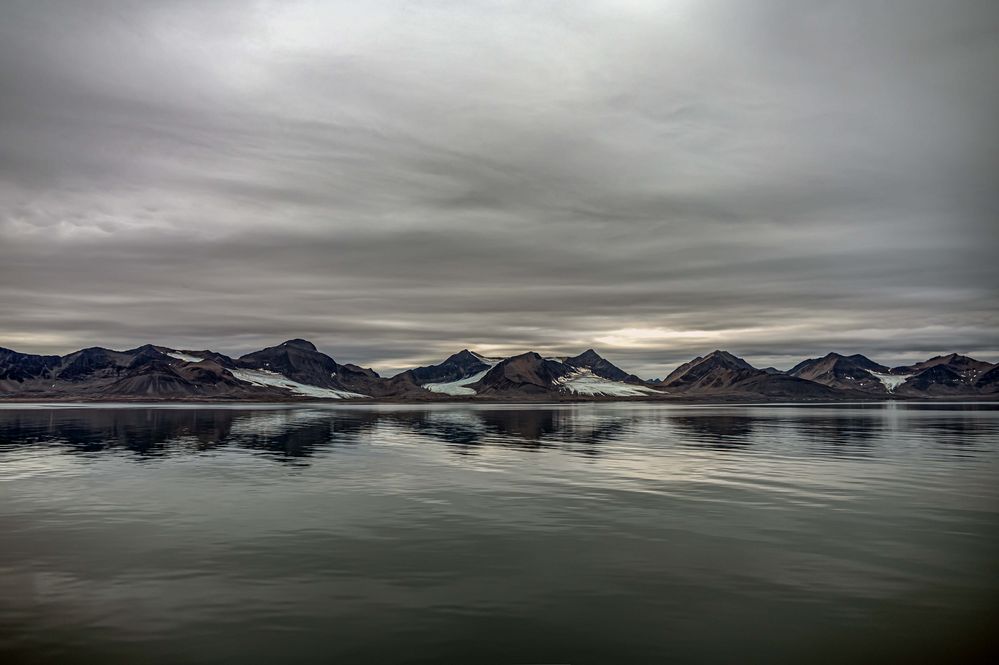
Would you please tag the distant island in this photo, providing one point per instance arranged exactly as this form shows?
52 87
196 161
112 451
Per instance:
297 371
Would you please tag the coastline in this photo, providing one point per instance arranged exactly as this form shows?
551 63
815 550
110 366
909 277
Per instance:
541 400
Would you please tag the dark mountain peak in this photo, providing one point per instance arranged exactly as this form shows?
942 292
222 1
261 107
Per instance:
92 362
145 348
836 367
455 367
963 364
463 356
298 360
527 373
303 344
293 348
587 356
718 368
146 354
601 367
726 358
90 352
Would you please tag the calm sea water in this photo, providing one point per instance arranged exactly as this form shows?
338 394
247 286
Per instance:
565 534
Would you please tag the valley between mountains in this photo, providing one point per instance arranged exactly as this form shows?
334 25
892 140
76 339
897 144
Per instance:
297 371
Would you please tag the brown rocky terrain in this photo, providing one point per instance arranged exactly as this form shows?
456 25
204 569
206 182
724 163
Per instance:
721 373
297 370
854 372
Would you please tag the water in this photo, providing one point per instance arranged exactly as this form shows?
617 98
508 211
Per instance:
568 534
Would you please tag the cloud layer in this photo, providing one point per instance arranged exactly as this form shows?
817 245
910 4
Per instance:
398 180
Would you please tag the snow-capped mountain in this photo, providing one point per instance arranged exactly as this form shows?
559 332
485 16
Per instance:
529 374
296 369
455 374
950 375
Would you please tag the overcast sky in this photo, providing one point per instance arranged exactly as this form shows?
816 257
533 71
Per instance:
399 180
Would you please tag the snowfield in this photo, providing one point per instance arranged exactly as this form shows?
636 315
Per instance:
262 377
891 381
457 387
185 357
585 382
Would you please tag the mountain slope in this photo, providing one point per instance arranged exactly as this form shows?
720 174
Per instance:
601 367
952 375
453 375
294 369
459 366
16 368
721 373
310 369
716 371
531 375
526 374
854 372
988 381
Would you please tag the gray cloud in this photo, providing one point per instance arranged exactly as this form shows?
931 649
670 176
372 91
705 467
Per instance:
398 180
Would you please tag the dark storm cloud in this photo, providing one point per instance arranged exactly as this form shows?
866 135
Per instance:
398 180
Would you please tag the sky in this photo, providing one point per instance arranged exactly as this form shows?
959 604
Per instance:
396 181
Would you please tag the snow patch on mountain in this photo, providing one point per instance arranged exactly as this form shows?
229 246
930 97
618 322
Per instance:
459 387
262 377
891 381
184 356
585 382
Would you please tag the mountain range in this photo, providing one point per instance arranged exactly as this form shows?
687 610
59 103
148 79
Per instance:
297 370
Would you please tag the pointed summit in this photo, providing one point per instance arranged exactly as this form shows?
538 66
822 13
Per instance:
296 359
464 356
728 359
456 367
856 372
963 365
601 367
526 374
718 369
722 373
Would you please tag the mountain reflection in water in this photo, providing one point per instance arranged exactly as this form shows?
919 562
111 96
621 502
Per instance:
593 533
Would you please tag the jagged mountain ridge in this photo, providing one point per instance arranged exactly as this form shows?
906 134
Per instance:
720 372
855 372
529 374
949 375
296 369
293 369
